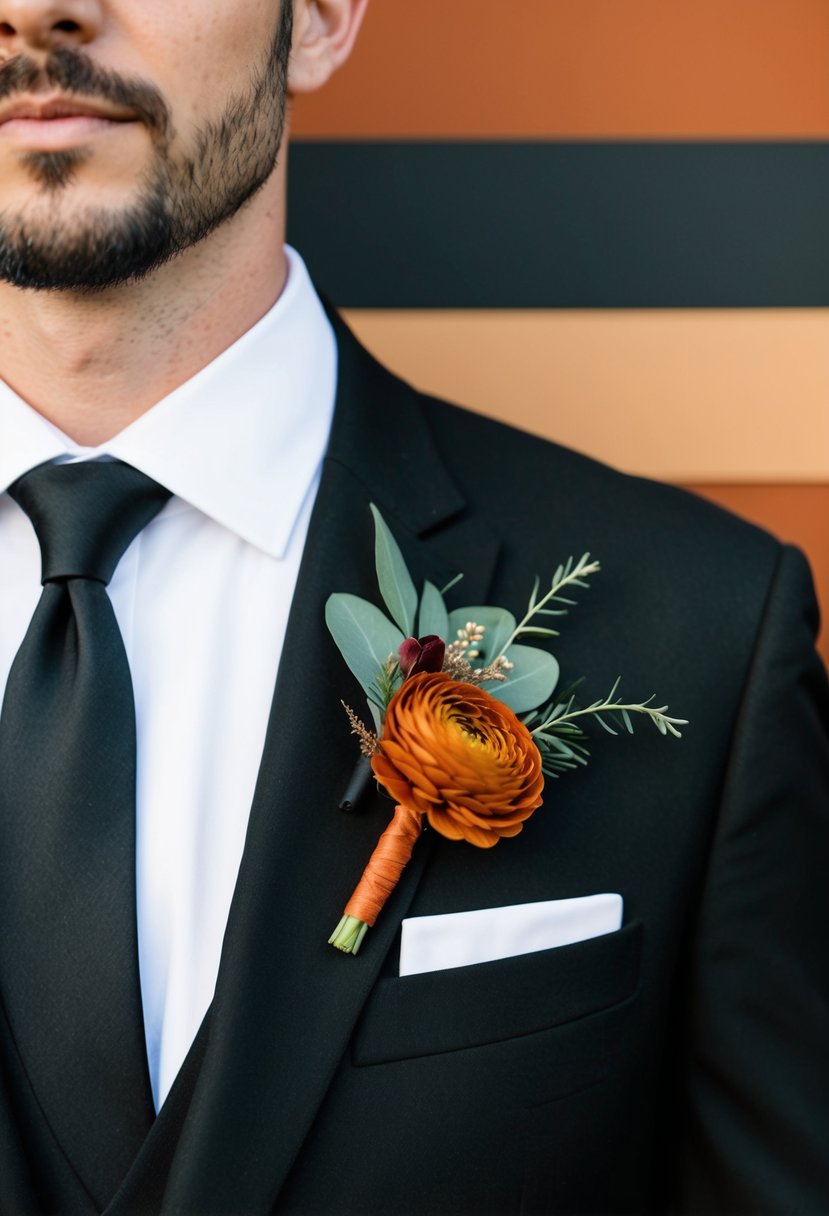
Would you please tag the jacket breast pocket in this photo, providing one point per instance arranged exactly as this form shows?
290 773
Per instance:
462 1007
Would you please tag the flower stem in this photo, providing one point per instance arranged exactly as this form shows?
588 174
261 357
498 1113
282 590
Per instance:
386 864
348 935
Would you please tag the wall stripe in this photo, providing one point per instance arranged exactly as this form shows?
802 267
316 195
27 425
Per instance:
463 69
558 225
724 396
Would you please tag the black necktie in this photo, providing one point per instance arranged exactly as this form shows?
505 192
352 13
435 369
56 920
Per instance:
68 944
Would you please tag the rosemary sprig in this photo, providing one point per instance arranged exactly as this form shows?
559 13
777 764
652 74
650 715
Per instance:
563 714
568 575
386 683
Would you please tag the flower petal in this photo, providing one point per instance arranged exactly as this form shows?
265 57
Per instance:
456 754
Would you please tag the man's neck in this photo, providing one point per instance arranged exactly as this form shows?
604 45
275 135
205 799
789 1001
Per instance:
93 363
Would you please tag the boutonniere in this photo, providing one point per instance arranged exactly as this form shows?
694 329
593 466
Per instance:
467 718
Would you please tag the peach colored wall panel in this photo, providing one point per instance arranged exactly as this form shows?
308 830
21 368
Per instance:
685 395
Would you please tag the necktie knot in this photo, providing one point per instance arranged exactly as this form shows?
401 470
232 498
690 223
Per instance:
85 515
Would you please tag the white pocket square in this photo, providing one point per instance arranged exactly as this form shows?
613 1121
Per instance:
456 939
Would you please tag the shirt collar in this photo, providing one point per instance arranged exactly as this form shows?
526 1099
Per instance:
241 441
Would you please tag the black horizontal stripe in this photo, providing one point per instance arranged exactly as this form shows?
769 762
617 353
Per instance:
564 225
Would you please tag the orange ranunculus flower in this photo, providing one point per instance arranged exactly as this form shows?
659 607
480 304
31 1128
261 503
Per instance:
452 752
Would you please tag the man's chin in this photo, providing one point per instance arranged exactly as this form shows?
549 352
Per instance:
104 251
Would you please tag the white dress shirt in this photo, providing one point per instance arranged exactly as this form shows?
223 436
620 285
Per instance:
202 599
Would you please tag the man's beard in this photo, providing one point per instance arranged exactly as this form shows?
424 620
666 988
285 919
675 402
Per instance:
182 198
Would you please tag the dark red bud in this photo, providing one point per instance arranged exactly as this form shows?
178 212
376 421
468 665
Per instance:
421 654
408 653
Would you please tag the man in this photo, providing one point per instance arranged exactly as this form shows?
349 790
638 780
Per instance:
176 1034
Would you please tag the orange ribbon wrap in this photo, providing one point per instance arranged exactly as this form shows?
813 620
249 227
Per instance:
386 864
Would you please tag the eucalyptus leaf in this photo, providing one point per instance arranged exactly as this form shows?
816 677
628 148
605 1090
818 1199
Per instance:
531 681
393 578
365 637
433 617
499 626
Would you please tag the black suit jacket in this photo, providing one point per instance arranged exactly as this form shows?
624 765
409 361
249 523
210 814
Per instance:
678 1064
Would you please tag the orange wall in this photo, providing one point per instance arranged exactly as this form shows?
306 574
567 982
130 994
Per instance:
582 69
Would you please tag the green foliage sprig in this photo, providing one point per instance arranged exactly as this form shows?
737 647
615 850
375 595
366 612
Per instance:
560 737
568 575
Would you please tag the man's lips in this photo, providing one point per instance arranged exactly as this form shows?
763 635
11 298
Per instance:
56 123
51 109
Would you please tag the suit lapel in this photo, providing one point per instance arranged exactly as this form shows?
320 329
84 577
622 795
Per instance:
286 1002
